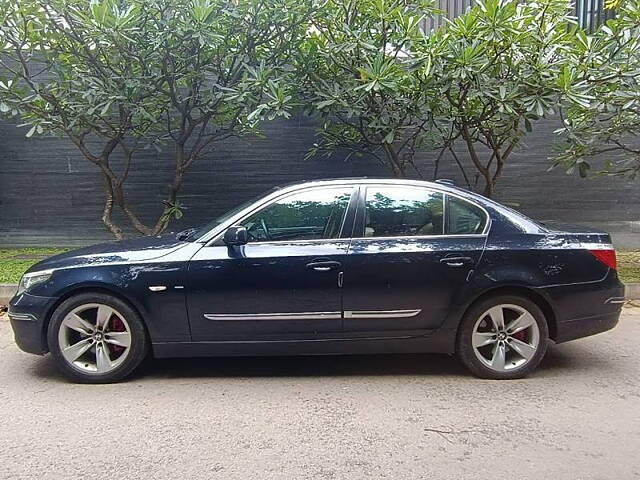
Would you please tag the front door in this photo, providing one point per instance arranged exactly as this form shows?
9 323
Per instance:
284 283
414 251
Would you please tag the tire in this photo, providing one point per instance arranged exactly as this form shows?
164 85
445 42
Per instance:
105 333
510 352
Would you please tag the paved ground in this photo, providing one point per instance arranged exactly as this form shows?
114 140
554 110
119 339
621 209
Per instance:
396 417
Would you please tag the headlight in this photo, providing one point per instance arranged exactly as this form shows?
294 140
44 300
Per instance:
29 280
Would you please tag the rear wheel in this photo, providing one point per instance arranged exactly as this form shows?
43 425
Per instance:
96 338
502 337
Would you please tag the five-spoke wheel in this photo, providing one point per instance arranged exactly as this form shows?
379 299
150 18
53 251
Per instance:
96 338
503 337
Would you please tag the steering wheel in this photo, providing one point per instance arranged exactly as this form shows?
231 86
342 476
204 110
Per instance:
265 229
258 231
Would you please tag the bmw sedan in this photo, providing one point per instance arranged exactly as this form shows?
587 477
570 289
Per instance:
327 267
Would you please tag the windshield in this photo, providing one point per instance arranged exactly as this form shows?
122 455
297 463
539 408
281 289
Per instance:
197 232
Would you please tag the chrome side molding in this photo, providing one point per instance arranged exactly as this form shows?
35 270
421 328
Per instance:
274 316
313 315
381 313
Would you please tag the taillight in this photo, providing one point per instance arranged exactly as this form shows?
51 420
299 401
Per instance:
608 257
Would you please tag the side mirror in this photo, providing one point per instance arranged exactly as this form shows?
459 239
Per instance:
236 235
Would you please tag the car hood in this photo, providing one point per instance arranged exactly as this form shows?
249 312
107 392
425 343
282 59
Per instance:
137 250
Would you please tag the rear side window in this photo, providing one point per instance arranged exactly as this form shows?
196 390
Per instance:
464 218
403 211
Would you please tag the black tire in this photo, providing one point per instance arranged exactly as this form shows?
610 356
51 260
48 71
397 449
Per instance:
466 352
137 350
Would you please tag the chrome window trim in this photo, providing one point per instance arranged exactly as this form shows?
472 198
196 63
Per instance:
297 242
432 190
485 230
267 202
444 194
215 233
424 237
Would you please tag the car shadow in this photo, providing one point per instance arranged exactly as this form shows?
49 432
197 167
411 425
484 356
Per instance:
560 360
303 366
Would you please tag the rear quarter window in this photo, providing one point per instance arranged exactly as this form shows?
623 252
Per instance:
464 218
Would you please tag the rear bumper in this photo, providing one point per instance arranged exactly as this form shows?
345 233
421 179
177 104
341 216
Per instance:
584 327
585 309
27 315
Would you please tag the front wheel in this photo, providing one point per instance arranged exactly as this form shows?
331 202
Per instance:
502 337
96 338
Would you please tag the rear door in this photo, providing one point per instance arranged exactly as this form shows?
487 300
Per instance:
413 250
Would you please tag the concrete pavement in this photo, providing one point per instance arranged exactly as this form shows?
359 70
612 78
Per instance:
367 417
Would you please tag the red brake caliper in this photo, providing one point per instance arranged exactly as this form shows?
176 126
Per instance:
116 325
521 335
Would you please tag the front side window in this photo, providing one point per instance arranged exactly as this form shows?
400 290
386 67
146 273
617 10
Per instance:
309 215
464 218
403 211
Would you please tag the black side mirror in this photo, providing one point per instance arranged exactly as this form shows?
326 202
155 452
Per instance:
236 235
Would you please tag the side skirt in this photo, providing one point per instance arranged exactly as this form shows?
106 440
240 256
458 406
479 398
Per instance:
438 342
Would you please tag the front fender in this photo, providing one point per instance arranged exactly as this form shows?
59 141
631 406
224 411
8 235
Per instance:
164 311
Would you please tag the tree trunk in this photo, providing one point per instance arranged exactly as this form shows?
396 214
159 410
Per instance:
174 189
475 158
108 209
397 167
489 188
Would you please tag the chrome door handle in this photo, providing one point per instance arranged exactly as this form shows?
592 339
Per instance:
324 266
456 261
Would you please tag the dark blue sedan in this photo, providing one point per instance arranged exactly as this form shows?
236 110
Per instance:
327 267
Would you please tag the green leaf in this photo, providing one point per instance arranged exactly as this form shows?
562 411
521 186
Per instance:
389 137
31 131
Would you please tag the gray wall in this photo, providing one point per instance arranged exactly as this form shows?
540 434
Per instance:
50 195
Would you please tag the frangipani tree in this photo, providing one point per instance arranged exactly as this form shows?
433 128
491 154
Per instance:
605 127
116 77
500 67
359 73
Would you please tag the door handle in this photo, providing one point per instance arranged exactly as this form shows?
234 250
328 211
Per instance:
456 261
324 266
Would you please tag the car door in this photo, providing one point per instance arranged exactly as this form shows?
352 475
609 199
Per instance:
284 283
413 250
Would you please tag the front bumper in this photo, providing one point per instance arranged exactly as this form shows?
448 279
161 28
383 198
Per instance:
27 315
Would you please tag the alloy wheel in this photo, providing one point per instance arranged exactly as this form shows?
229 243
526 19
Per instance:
505 337
94 338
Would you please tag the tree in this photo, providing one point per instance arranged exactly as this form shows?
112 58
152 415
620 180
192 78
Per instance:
500 67
359 74
606 68
117 77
